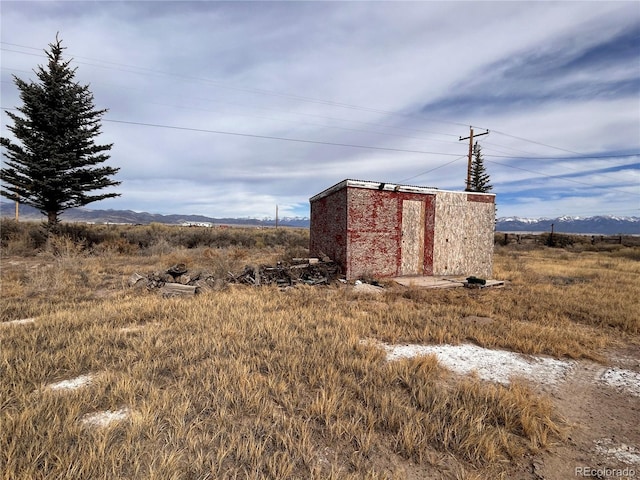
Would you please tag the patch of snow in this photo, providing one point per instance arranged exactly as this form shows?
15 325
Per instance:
623 379
104 419
492 365
22 321
72 384
626 454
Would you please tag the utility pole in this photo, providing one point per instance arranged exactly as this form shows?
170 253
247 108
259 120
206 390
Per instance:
276 215
17 210
470 137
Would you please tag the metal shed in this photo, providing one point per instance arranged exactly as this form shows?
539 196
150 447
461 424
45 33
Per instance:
388 230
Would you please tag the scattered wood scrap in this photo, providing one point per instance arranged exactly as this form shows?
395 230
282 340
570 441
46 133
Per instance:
309 271
179 281
175 281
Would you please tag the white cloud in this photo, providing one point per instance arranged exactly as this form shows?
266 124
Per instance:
343 73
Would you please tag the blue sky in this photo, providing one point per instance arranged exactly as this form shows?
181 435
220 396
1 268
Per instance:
231 108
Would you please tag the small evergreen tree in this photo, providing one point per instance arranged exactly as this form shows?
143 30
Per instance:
57 165
479 176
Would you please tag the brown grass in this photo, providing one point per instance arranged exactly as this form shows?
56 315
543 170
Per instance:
262 383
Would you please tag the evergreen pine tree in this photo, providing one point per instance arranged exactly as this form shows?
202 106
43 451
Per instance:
479 176
56 165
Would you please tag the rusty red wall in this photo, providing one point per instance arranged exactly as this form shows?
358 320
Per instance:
480 198
361 230
374 234
328 228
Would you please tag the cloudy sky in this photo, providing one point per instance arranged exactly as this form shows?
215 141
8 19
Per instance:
228 109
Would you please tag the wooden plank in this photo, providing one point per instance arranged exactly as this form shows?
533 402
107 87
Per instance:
429 282
423 281
412 254
177 289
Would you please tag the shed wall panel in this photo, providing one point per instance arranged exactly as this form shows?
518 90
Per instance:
412 244
463 236
328 227
373 233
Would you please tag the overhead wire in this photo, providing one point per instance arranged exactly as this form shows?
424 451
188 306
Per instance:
349 145
432 169
272 137
297 122
144 71
535 142
560 177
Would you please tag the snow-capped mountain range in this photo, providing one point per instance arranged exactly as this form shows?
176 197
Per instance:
602 225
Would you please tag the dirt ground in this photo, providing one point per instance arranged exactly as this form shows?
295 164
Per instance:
604 441
599 402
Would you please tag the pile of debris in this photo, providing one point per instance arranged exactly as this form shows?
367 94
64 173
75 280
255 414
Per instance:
177 280
310 271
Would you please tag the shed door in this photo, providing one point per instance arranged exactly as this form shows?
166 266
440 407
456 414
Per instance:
412 255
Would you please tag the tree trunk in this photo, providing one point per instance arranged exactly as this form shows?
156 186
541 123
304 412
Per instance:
52 219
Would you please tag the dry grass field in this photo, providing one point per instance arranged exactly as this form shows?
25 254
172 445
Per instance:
244 382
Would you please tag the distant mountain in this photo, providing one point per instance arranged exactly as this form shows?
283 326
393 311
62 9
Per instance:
601 225
131 217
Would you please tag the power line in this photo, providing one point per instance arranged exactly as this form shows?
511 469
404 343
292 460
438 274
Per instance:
297 122
145 71
577 157
295 113
221 132
431 170
303 98
537 143
564 178
142 70
492 145
270 137
317 142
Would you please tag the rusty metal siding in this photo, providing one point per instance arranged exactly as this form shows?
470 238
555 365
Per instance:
463 235
328 227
